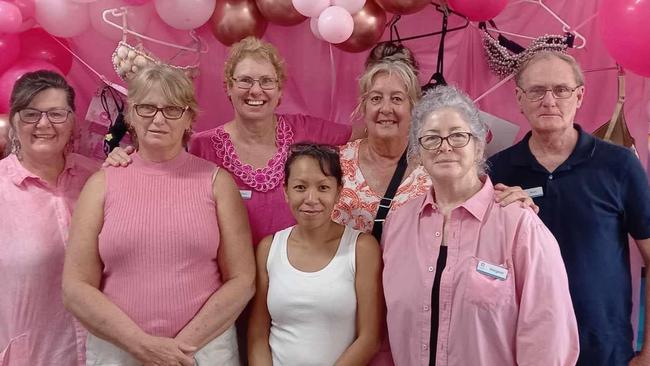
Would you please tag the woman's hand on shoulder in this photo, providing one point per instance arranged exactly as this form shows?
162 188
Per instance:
162 351
505 195
119 157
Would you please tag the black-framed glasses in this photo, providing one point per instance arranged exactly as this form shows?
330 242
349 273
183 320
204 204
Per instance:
33 115
168 111
537 93
247 82
455 140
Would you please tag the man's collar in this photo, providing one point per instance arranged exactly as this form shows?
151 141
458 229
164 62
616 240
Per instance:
583 150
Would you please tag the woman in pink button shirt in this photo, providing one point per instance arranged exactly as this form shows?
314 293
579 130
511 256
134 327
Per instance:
467 281
39 184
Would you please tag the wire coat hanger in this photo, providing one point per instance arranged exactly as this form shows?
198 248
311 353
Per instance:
565 26
200 46
394 33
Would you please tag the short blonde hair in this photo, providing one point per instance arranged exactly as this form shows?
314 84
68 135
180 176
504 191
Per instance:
176 87
255 48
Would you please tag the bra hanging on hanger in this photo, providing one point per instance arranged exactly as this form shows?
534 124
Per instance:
437 79
615 130
566 28
129 60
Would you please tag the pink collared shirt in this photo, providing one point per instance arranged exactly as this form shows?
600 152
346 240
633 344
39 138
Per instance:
35 329
526 319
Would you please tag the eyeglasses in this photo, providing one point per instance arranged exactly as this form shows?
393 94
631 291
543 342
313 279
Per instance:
169 112
538 93
455 140
55 116
246 82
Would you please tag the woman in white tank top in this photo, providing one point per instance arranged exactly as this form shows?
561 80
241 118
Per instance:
318 299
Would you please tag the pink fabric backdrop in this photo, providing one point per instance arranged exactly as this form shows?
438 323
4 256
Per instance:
323 80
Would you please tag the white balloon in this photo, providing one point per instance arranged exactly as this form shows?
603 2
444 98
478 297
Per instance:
352 6
313 25
62 18
311 8
185 14
335 24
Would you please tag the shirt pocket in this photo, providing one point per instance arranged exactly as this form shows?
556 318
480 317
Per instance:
486 291
16 352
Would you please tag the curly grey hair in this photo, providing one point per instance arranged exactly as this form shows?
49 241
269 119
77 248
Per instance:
448 97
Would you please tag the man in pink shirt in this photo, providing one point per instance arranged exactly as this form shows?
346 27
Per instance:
467 281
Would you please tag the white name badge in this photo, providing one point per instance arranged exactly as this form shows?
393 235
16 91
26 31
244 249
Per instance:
492 270
534 192
246 194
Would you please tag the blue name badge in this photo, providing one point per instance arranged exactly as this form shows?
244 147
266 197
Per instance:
492 270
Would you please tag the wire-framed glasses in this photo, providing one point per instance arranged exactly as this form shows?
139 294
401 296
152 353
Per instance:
169 111
537 93
455 140
247 82
33 115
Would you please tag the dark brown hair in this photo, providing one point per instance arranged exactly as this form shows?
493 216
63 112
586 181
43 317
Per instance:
32 83
327 157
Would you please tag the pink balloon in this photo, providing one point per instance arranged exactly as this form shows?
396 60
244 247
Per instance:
10 17
136 2
27 8
9 49
185 14
335 24
478 11
625 30
352 6
62 18
313 25
311 8
8 79
137 18
37 44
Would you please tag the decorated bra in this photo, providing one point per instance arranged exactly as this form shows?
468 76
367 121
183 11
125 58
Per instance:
505 56
128 60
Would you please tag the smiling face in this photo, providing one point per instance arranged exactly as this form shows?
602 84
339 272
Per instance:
43 141
310 193
254 103
158 133
387 107
447 163
549 115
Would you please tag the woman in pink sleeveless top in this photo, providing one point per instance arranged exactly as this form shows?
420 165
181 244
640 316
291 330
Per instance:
160 260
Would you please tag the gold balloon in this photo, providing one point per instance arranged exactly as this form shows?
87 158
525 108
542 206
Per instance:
234 20
369 24
402 7
280 12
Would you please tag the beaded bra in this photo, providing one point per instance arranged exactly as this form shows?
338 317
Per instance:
260 179
505 56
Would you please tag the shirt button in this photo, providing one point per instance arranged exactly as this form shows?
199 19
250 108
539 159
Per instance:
426 308
550 177
437 233
425 347
430 269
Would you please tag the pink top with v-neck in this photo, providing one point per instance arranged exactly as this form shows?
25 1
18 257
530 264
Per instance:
261 188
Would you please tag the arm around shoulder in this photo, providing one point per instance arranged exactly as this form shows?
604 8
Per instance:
370 303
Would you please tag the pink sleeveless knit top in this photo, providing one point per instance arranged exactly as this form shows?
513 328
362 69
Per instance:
159 241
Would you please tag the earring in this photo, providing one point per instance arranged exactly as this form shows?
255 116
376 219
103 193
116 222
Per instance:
15 146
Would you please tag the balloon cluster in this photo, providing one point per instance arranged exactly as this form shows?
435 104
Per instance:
351 25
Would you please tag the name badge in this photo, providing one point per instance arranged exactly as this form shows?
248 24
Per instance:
534 192
492 270
246 194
